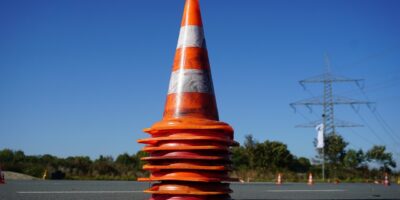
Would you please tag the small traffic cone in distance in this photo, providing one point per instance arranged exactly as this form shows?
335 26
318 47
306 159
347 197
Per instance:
386 181
310 179
44 175
279 179
2 180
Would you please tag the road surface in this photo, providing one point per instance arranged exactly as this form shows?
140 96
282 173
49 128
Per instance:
103 190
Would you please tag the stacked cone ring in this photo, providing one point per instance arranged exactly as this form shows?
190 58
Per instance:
189 148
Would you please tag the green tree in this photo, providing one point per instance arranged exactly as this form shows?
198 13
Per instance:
249 150
139 164
335 148
272 155
6 156
379 155
49 160
300 165
104 166
353 159
125 159
240 160
334 151
78 165
19 156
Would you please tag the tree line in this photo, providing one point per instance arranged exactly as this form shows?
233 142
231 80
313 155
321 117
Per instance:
123 167
261 161
252 161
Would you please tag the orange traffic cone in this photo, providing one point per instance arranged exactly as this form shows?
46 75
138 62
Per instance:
279 179
2 179
189 147
44 175
310 179
386 181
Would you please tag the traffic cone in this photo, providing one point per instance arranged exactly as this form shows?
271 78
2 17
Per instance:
386 181
2 179
310 179
189 148
279 179
44 175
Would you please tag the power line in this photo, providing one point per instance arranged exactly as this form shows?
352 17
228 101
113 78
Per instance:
313 96
377 86
369 127
373 56
381 121
387 125
306 118
361 136
394 150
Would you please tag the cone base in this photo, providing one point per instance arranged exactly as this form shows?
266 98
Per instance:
189 197
183 188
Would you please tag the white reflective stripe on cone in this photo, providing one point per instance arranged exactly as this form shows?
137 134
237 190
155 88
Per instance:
190 80
191 36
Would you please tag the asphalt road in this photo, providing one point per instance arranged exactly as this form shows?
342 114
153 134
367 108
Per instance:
102 190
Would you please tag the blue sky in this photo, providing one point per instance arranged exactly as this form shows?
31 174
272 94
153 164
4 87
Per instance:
85 77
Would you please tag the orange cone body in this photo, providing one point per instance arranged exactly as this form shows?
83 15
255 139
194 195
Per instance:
310 179
386 182
279 179
189 148
2 179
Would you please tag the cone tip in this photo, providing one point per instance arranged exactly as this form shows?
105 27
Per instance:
192 14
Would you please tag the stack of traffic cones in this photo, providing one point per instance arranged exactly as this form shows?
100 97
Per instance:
279 179
310 179
189 147
386 181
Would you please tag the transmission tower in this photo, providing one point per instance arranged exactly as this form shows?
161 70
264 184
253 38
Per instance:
328 100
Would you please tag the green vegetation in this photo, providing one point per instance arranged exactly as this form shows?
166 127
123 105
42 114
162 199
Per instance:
261 161
254 161
124 167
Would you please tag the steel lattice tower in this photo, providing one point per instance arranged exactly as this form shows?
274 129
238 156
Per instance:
328 101
328 114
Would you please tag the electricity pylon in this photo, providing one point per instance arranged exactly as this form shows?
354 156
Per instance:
327 102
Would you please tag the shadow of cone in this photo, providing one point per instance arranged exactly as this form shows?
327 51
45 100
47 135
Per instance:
189 148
